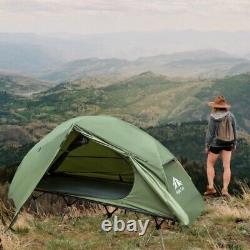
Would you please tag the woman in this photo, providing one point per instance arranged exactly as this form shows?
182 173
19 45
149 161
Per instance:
220 140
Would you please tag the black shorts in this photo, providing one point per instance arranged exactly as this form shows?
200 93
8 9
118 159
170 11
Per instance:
217 150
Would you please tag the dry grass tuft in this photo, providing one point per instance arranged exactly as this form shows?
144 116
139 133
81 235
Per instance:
224 225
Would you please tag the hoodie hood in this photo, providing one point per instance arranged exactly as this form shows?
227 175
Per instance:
219 115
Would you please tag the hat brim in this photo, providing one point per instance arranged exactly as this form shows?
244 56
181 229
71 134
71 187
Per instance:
215 105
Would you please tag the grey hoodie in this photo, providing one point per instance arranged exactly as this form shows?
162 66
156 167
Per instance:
214 119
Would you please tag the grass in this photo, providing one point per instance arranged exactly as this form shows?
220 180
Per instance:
223 225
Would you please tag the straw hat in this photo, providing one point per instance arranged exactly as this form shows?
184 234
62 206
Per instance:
219 102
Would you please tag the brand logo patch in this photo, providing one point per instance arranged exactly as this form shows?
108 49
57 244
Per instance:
178 186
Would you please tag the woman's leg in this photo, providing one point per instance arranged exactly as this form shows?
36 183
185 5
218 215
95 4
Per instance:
226 159
211 159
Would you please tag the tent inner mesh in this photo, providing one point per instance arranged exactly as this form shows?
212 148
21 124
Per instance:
87 168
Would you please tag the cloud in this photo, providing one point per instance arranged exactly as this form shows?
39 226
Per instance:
155 6
62 5
97 16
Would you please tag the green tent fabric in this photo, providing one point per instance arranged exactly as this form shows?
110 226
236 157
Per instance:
107 160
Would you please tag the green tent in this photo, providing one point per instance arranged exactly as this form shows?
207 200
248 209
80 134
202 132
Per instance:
109 161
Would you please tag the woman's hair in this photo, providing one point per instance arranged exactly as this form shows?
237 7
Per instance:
219 109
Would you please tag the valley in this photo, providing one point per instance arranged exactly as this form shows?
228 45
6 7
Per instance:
172 110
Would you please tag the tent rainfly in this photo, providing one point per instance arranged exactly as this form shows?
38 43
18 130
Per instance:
106 160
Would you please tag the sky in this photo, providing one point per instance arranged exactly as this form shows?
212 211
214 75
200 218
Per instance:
105 16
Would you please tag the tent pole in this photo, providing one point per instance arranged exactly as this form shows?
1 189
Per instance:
12 223
157 224
108 213
69 204
34 197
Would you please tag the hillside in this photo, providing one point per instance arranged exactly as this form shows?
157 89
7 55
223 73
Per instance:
22 85
240 68
236 89
173 111
85 68
223 225
145 99
72 98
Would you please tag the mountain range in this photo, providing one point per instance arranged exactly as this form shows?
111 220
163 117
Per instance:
41 87
205 64
146 99
28 53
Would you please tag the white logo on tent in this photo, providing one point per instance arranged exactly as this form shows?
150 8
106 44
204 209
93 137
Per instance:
178 186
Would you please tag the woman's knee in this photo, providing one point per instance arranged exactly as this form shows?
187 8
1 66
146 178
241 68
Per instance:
211 159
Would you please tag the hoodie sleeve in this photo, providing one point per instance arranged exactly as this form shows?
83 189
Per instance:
210 132
234 128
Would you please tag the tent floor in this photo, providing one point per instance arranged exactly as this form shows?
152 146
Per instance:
84 186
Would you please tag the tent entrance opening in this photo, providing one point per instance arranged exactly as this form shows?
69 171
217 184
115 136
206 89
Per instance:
87 168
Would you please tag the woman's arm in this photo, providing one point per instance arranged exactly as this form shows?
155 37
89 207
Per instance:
210 132
234 129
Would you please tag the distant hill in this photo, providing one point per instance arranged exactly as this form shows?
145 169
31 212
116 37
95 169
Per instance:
240 68
175 109
127 45
86 68
209 64
22 85
236 89
63 57
25 58
145 99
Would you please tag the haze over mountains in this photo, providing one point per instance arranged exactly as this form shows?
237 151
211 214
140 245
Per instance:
46 80
38 54
146 100
204 64
149 89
